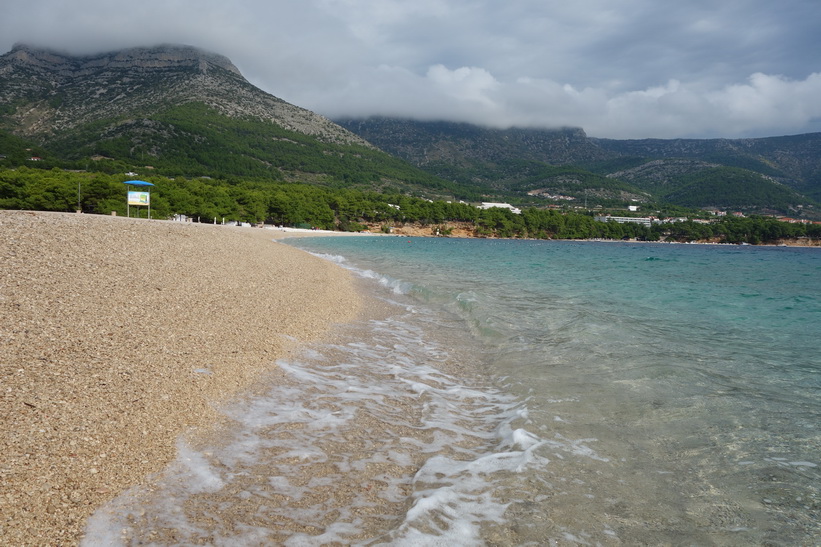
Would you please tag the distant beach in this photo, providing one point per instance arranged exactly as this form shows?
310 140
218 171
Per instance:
118 335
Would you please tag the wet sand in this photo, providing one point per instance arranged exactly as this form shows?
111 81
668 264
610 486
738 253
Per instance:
118 335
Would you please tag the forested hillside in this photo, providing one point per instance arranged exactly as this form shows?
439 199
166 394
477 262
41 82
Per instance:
179 111
793 160
311 206
771 175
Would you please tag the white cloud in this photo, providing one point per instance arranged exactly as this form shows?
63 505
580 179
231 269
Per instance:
771 100
617 68
469 84
674 109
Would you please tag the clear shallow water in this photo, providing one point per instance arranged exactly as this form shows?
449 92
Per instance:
523 392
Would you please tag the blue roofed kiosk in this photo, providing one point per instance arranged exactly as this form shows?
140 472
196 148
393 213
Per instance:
140 197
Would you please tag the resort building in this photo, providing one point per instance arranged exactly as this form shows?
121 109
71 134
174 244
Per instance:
515 210
646 221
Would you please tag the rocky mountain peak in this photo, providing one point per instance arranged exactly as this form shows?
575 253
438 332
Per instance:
45 93
167 56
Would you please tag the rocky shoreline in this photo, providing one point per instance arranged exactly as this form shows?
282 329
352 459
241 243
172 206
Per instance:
118 335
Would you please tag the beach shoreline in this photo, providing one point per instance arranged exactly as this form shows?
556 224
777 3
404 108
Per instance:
118 335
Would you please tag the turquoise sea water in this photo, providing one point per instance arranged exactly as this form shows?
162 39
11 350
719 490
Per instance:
527 393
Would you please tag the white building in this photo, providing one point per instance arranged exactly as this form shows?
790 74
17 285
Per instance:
646 221
515 210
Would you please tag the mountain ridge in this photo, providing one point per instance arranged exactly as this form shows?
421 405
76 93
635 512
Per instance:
66 91
178 111
163 55
787 168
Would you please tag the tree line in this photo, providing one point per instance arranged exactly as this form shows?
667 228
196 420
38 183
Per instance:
329 208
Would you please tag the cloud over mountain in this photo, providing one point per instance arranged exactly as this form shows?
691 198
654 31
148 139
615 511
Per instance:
622 69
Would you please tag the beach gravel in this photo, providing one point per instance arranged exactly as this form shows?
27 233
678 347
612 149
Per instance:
118 335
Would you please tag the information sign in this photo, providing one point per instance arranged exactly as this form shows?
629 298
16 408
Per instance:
139 198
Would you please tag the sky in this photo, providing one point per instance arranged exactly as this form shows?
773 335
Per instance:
616 68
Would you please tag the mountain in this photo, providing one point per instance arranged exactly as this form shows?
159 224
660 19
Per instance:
778 174
501 161
177 110
794 161
56 93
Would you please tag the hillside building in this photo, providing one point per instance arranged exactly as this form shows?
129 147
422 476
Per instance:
514 210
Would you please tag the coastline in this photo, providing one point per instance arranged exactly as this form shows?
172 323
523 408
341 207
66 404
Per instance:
119 335
462 230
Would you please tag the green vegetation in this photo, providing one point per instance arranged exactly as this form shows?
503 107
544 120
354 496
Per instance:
194 140
295 204
510 179
17 151
756 175
731 187
753 230
234 200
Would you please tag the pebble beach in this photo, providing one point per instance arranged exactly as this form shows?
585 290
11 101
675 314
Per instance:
119 335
